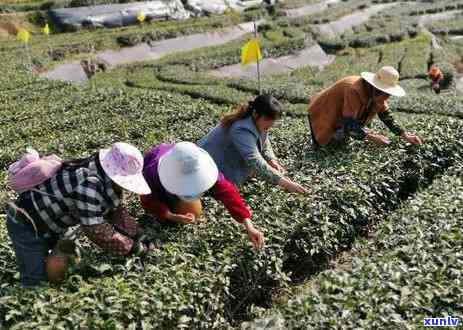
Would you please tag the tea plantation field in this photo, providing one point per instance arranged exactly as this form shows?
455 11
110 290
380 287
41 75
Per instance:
375 244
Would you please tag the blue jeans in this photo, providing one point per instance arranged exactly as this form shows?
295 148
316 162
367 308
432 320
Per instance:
31 251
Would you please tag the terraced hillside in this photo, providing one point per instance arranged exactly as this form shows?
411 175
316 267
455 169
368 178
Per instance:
376 243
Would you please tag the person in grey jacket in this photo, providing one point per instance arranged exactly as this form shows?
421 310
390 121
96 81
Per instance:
241 147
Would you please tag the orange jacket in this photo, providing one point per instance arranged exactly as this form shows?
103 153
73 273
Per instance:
435 74
348 97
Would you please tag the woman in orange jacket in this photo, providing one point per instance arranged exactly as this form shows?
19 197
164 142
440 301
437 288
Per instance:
346 107
436 76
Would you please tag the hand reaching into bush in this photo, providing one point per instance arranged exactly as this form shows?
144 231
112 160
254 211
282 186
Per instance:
276 165
188 218
411 138
255 236
378 139
291 186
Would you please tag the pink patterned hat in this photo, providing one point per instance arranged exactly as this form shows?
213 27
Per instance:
123 163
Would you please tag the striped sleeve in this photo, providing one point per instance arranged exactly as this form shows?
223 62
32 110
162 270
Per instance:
89 200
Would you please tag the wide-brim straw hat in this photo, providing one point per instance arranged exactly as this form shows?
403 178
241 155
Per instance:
386 80
123 164
187 170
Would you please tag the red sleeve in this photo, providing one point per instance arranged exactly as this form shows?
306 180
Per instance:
108 239
153 205
228 194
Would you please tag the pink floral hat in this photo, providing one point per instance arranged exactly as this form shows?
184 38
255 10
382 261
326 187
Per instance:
123 163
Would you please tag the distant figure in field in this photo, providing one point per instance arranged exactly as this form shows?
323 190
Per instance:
179 175
345 108
241 148
436 76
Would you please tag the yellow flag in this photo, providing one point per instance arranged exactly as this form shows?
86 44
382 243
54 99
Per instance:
23 35
250 52
46 29
141 17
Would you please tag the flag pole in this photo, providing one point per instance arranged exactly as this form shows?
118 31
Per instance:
29 58
258 61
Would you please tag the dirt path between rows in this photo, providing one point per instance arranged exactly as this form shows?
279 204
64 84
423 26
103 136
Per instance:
71 72
313 56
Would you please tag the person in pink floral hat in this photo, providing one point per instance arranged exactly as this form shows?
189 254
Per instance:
85 192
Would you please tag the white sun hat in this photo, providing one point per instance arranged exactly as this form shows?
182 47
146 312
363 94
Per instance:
386 80
187 170
123 164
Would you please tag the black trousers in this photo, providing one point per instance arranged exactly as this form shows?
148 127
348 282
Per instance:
315 144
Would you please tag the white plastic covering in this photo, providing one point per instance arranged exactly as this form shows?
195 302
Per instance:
220 6
116 15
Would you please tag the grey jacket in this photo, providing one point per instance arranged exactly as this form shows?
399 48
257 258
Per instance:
240 151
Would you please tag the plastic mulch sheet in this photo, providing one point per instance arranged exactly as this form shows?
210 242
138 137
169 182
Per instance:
220 6
117 15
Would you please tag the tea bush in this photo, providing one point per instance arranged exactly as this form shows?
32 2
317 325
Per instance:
222 279
412 10
452 26
207 276
221 90
409 271
219 56
376 31
434 8
332 13
198 25
410 57
430 103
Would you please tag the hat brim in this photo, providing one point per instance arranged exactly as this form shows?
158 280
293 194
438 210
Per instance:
194 184
135 183
391 90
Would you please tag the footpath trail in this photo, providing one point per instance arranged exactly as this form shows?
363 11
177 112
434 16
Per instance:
313 56
71 72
